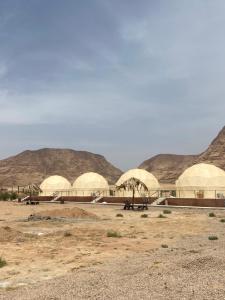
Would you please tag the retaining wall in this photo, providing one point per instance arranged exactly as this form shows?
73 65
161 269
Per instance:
195 202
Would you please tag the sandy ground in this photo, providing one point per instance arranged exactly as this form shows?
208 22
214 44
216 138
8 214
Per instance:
73 258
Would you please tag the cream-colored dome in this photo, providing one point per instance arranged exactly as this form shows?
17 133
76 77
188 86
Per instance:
91 180
144 176
202 175
55 183
89 184
201 181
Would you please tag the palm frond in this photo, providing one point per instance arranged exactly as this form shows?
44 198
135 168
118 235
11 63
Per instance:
132 184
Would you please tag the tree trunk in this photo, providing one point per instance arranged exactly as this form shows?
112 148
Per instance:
133 196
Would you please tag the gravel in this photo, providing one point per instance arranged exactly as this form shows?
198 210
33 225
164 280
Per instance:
194 269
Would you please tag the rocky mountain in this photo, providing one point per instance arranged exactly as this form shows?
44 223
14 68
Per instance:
34 166
215 153
168 167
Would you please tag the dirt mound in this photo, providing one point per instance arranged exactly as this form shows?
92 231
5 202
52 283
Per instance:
204 263
8 234
75 213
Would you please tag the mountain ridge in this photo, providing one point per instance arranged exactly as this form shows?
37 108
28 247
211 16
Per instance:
33 166
168 167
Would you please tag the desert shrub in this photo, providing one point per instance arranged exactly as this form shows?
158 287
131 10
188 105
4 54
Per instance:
112 233
119 215
13 196
167 211
144 216
161 216
212 214
213 237
164 246
4 196
222 220
67 234
2 262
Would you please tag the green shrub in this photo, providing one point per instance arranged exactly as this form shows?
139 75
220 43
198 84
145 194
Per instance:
4 196
161 216
112 233
212 214
222 220
2 262
13 196
213 237
164 246
144 216
119 215
167 211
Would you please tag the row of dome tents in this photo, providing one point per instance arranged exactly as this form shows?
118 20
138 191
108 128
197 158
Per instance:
199 181
95 184
85 185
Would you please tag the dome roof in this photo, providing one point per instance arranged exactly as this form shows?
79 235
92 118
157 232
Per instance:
146 177
202 175
55 182
90 180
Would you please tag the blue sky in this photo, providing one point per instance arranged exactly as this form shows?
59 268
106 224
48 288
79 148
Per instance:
126 79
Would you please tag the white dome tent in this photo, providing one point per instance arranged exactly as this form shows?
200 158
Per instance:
201 181
89 184
144 176
55 185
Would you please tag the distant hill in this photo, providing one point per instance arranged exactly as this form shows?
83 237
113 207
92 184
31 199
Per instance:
34 166
216 151
168 167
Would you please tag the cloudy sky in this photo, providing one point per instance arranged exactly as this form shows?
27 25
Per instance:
127 79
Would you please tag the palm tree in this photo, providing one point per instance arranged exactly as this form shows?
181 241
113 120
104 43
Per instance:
133 184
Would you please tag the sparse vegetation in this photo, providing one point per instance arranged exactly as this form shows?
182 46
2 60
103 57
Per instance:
167 211
13 196
213 237
144 216
161 216
119 215
222 220
4 195
112 233
77 237
211 215
2 262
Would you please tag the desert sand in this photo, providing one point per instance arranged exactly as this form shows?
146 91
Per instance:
70 256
